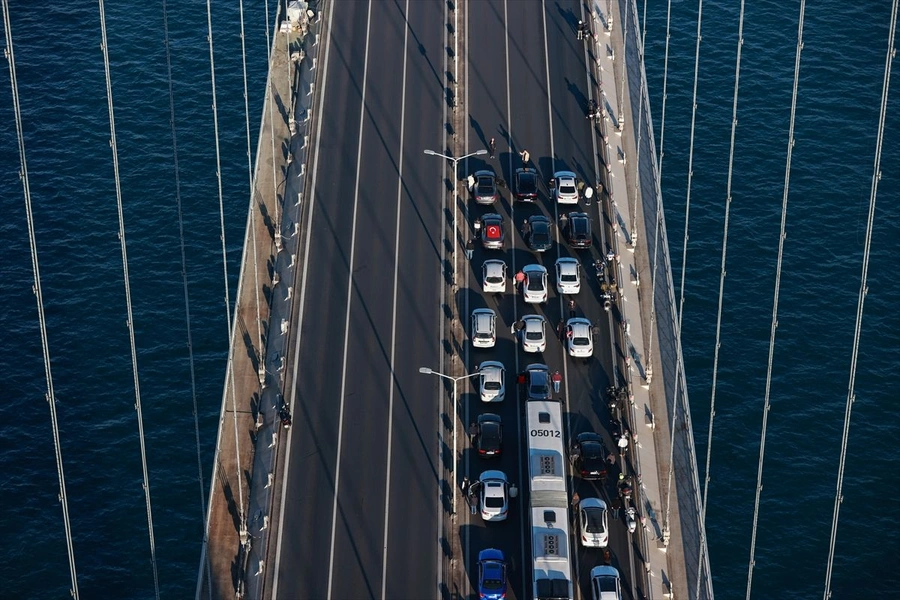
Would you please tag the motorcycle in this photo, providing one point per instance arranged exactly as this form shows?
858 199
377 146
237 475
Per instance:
600 270
630 519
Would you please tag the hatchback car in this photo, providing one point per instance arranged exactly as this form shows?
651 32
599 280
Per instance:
526 185
605 584
491 575
537 382
494 496
537 233
578 230
492 381
488 440
534 334
534 288
579 338
593 523
589 454
493 276
484 328
492 231
566 189
568 276
485 191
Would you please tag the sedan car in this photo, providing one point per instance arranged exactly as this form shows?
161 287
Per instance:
492 380
492 231
534 333
488 441
579 338
536 380
578 230
493 276
589 453
484 328
593 523
526 185
494 496
537 233
492 575
534 288
605 584
566 189
568 276
485 190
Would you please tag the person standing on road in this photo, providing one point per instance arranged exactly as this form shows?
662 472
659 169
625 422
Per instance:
470 248
493 147
525 157
520 278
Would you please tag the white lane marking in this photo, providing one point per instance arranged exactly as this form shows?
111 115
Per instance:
392 379
299 329
337 468
439 572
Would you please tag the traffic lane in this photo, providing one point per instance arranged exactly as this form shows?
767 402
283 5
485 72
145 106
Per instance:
360 518
413 510
309 493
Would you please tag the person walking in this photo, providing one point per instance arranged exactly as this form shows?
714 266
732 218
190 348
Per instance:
464 488
493 147
470 248
520 278
525 157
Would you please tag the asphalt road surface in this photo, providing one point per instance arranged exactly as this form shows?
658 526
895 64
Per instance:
365 508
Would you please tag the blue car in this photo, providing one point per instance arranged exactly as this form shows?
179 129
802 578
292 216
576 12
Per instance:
491 575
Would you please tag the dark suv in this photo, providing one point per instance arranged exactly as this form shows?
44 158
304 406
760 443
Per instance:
489 436
537 233
589 456
526 185
578 230
536 380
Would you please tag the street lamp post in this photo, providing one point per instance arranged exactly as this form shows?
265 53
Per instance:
455 380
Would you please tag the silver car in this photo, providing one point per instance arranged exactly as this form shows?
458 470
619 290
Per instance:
605 583
534 334
484 328
492 380
579 339
493 276
534 288
566 190
568 276
593 523
494 496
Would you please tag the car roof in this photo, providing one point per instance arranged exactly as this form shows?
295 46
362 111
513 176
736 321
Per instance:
494 554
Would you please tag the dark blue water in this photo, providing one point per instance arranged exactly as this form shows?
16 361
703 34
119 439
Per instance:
61 82
837 112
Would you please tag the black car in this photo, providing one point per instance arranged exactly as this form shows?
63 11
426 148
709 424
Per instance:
578 230
492 231
526 185
485 191
536 382
489 437
537 233
589 456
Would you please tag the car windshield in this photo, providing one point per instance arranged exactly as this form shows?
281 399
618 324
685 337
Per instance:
580 341
492 385
485 185
593 519
607 583
490 434
568 278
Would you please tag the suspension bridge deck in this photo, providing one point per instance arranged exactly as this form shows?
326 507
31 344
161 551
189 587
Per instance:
282 318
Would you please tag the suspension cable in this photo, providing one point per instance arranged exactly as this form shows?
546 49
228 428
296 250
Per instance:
50 395
184 279
863 291
251 218
128 305
237 444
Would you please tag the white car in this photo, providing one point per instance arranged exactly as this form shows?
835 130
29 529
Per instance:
566 190
605 583
593 523
579 340
492 380
484 328
493 278
568 276
534 333
534 288
494 496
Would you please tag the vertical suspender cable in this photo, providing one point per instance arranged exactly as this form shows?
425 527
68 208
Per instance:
184 280
774 324
50 395
863 290
251 218
130 323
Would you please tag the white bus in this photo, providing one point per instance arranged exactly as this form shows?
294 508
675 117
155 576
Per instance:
548 506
